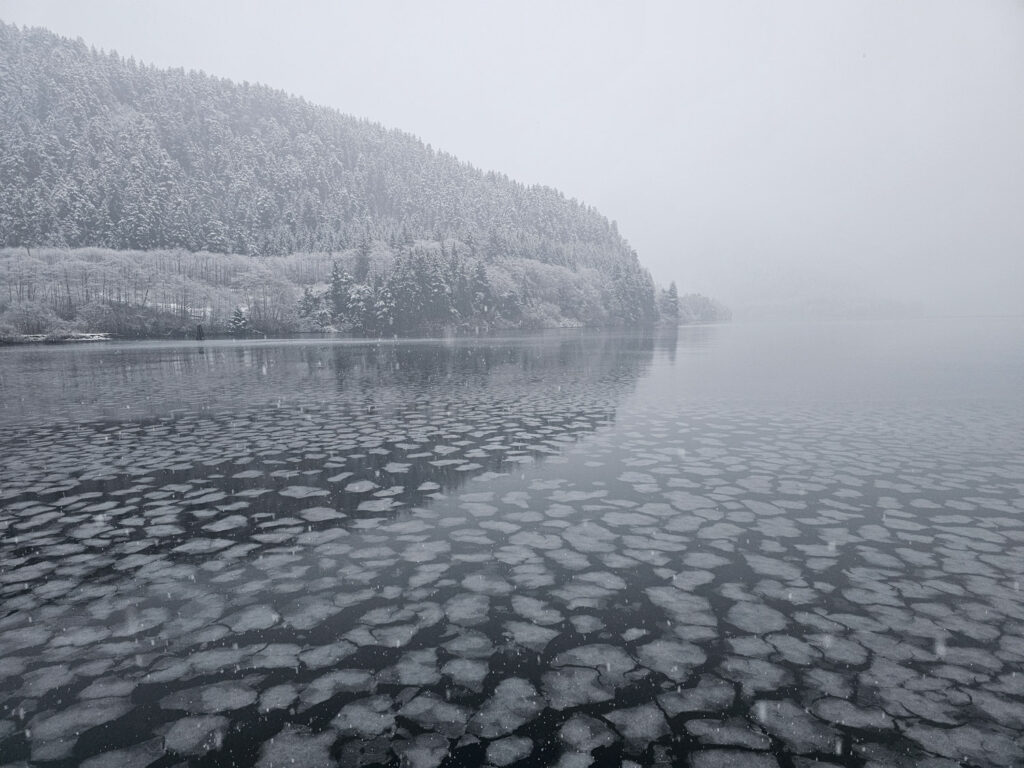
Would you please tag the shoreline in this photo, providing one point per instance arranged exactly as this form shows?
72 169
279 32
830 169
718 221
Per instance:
46 338
84 337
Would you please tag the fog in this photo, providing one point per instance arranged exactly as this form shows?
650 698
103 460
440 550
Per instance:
797 158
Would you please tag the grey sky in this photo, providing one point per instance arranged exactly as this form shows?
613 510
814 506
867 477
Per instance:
777 155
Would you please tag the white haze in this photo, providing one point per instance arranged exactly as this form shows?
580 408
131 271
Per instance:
789 158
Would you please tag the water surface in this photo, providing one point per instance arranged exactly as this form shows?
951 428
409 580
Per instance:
735 545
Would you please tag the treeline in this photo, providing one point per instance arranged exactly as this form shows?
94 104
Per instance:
697 308
373 289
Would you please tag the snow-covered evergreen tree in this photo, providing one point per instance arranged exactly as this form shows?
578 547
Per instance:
239 324
340 294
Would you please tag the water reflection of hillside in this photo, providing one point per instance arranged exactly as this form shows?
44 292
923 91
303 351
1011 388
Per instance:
255 445
135 382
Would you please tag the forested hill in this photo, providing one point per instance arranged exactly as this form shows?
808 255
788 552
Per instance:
99 151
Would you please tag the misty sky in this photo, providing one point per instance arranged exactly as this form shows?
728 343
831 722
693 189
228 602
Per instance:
782 156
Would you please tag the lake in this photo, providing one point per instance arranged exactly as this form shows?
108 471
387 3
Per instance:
744 545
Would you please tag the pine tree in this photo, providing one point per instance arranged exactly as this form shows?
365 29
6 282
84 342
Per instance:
362 265
383 310
361 308
309 304
340 294
404 288
239 324
483 300
672 302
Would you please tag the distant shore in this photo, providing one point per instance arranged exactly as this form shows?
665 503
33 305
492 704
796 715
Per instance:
77 337
53 338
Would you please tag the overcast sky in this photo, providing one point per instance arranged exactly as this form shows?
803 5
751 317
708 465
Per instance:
773 154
